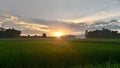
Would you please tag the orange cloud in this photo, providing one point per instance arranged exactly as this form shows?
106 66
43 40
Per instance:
23 23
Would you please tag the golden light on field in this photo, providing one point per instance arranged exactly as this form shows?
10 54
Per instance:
58 34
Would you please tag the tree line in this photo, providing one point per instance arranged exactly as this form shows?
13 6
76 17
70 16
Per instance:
102 34
96 34
9 33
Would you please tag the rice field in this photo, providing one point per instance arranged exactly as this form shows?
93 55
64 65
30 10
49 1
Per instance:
59 53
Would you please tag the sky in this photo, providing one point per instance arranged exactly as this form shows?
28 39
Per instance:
67 16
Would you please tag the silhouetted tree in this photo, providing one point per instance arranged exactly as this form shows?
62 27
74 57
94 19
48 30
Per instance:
86 32
2 29
9 33
44 35
35 35
103 34
28 35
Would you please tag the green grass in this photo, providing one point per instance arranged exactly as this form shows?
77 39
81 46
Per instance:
59 53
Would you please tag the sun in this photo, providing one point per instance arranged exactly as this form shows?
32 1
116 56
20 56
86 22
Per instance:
58 34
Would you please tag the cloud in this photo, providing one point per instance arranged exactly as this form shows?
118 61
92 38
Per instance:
33 26
112 25
12 21
37 26
101 15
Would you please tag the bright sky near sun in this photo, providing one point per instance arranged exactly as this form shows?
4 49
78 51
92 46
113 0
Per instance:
58 34
49 15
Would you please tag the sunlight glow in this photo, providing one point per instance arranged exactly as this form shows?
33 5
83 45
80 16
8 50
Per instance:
58 34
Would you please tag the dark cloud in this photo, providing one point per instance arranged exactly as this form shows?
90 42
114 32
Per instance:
112 24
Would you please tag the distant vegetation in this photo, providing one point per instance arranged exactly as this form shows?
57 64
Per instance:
44 35
9 33
97 34
68 36
102 34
